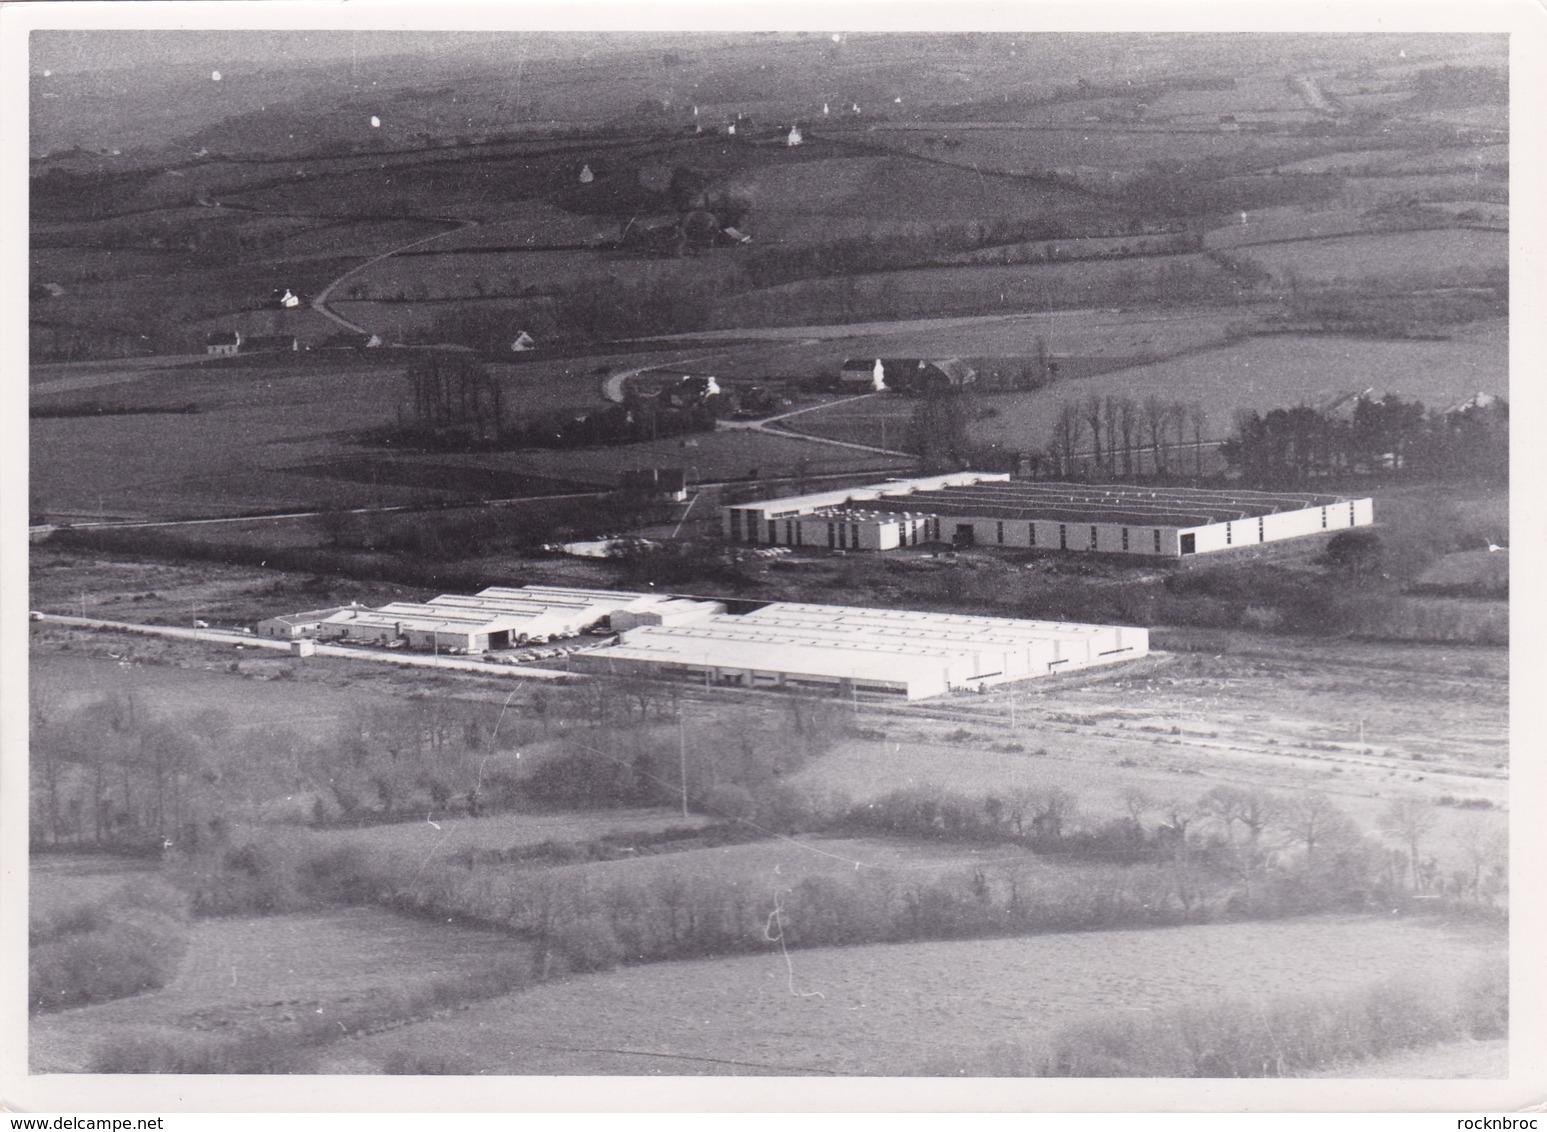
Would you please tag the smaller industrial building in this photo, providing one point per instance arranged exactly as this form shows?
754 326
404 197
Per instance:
495 618
992 509
294 626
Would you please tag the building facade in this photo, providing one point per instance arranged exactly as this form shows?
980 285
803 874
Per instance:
976 509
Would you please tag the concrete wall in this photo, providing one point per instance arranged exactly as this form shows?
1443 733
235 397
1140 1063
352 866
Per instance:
357 631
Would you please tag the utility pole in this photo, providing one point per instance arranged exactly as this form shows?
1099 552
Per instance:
682 758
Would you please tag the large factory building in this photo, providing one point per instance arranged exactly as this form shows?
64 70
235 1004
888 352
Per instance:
842 650
988 509
837 650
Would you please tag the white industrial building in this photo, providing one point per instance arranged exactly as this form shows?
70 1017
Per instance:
503 617
293 626
844 650
836 649
991 509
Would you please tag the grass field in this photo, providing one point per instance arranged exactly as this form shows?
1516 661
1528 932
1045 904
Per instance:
918 293
898 1008
1270 372
264 428
119 588
1451 256
183 693
505 831
1101 146
57 882
275 972
761 868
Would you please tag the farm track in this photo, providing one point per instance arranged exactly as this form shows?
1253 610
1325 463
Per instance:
1278 750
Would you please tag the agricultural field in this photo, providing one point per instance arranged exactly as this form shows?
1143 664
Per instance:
161 592
1273 371
496 832
856 1011
253 698
761 868
1414 256
1103 149
277 973
56 883
266 432
918 293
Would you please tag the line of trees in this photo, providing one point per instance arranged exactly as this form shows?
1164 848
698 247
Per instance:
455 403
1112 434
1230 853
115 773
1386 435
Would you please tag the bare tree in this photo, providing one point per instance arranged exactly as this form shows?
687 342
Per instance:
1091 407
1198 421
1315 824
1409 822
1155 417
1128 426
1176 421
1054 808
1137 802
1233 805
1484 846
1110 414
1068 432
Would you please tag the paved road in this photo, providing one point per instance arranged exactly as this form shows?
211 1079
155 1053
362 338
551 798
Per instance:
111 524
762 426
107 373
380 656
319 301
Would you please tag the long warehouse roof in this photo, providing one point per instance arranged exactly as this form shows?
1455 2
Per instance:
1076 503
964 622
795 657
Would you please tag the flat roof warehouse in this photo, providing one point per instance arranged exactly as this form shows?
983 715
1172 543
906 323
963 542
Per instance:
992 509
838 650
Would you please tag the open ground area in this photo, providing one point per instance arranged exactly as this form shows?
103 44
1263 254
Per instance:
853 1011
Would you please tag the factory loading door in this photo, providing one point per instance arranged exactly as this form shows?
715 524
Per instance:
964 536
1189 544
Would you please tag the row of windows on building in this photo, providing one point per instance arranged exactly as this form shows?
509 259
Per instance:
844 536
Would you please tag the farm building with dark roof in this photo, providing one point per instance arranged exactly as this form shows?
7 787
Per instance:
906 375
223 342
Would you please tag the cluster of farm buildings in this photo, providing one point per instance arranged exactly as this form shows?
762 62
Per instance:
992 509
792 645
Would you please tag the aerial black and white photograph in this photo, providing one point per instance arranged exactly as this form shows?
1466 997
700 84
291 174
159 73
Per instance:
819 553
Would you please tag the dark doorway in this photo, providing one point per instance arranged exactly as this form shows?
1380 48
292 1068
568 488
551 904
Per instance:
1189 544
964 535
